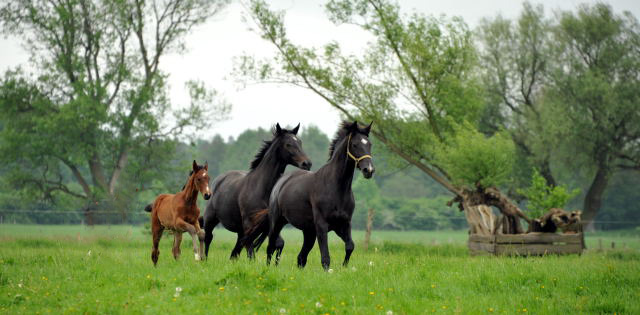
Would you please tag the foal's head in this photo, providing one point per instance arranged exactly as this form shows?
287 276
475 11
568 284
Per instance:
359 147
200 178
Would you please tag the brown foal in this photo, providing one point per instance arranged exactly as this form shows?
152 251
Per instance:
179 213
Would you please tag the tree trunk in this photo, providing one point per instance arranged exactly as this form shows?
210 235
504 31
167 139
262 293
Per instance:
480 219
545 171
593 198
367 235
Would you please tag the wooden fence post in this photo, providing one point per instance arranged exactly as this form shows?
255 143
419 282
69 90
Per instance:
367 235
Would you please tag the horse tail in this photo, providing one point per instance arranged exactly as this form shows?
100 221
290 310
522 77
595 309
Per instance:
259 229
201 221
148 208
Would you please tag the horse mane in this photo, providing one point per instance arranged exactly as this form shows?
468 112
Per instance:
342 132
266 144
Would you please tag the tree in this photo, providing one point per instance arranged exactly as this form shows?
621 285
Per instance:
596 91
97 96
515 58
416 81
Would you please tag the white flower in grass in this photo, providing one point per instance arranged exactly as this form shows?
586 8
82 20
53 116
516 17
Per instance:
318 304
371 263
283 311
89 253
389 312
330 270
353 268
178 289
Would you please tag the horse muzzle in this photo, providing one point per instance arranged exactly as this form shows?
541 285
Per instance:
306 164
368 170
206 196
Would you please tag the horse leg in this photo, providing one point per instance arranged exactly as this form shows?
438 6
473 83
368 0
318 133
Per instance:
307 245
200 234
279 248
345 234
177 240
322 229
156 233
238 248
274 234
209 225
247 226
184 226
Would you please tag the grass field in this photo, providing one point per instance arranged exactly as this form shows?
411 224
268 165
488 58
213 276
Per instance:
75 269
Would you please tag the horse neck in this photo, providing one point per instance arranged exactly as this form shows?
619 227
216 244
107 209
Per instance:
341 168
190 191
267 173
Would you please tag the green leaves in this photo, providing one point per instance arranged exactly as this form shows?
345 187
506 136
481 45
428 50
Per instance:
542 197
475 160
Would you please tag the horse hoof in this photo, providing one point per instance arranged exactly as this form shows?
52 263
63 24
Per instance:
198 258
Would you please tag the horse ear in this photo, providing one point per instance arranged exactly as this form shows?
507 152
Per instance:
278 129
295 130
367 129
353 126
206 165
195 165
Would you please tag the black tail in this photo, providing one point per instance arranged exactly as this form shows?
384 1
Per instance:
260 230
148 208
201 221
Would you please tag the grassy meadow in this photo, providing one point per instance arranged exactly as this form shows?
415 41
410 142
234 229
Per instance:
77 269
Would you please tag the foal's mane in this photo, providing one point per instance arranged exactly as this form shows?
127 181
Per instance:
343 131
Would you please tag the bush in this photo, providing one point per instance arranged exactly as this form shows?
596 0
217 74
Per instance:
542 197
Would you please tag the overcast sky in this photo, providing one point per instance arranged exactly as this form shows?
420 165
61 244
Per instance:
213 46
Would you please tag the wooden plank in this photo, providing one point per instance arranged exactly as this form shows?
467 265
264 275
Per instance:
538 238
479 248
478 238
537 249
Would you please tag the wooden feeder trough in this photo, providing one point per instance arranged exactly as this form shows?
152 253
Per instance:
530 244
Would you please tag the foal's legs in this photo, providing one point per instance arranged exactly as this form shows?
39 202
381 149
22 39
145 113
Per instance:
274 235
307 245
322 229
209 225
191 229
345 234
156 233
177 239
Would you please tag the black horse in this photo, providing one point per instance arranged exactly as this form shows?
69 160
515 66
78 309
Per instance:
319 202
238 195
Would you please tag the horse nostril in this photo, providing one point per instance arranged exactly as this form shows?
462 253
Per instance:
306 165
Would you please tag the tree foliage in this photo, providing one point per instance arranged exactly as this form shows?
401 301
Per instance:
95 102
541 197
415 80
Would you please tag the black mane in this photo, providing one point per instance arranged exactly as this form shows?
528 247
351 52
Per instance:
260 155
345 128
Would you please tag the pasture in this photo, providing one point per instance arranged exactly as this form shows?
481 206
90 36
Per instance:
76 269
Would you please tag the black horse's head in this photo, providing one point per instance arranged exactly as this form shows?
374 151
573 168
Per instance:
289 147
359 148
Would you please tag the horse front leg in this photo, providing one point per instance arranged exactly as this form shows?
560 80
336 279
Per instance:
191 229
345 234
322 229
200 234
156 233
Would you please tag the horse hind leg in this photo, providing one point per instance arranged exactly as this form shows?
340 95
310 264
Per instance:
209 225
177 240
274 235
156 233
237 248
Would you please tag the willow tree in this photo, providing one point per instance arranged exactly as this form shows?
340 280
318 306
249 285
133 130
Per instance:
96 97
416 80
593 104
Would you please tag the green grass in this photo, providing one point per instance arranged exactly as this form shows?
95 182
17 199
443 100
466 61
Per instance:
49 269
